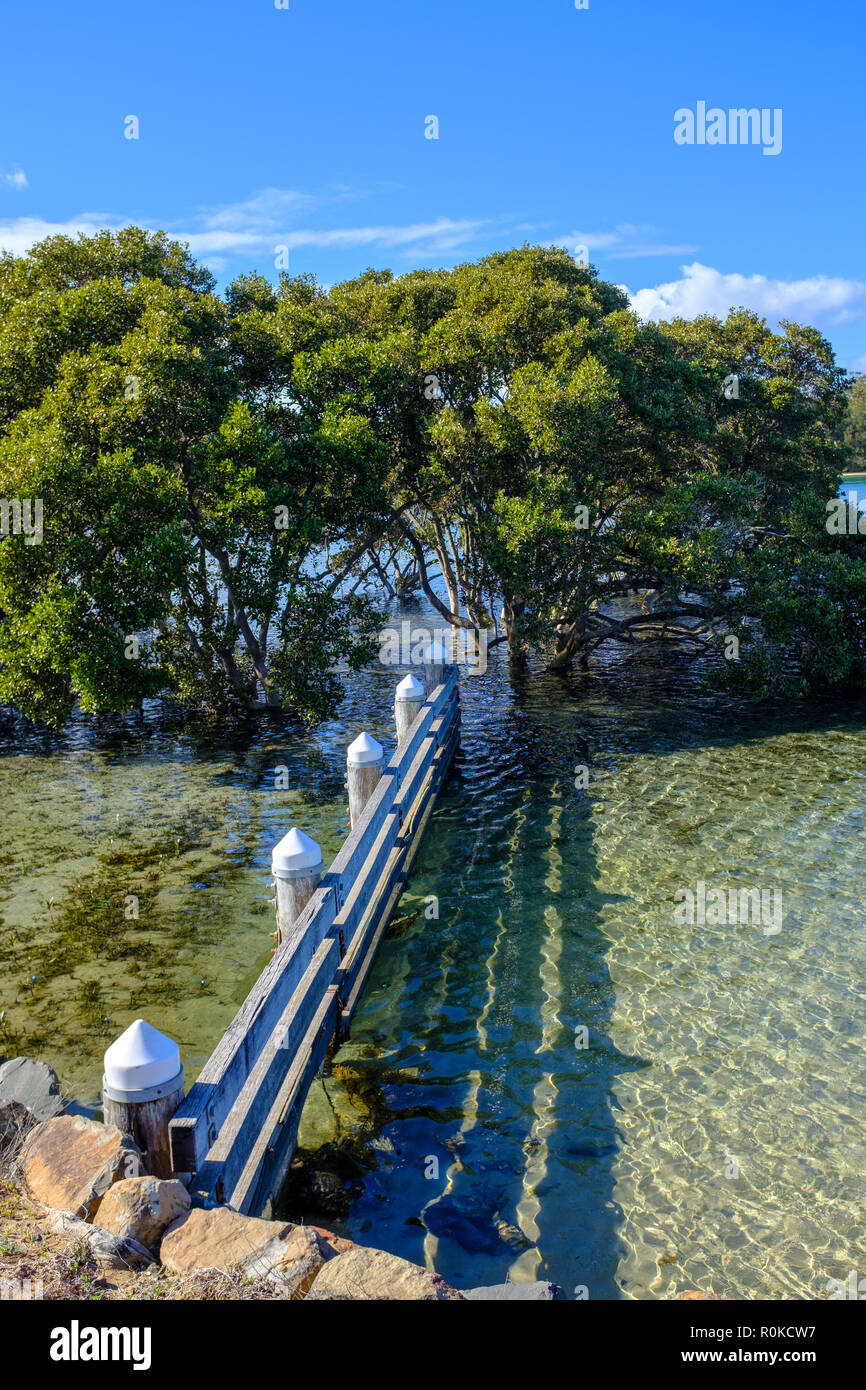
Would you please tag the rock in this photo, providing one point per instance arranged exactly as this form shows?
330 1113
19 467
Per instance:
71 1162
374 1275
516 1293
32 1084
108 1249
216 1238
291 1262
696 1293
142 1208
16 1121
288 1256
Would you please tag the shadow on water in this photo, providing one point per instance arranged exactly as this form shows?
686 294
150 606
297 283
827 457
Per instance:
479 1078
464 1124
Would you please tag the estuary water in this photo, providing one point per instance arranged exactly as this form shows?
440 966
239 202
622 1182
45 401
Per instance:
552 1074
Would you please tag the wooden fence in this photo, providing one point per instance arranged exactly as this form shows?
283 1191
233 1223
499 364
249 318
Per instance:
237 1128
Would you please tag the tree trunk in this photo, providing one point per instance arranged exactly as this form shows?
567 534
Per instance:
511 611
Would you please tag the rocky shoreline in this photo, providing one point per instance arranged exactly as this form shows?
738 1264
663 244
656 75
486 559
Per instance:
80 1208
83 1220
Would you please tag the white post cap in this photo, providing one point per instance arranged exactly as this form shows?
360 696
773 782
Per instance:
295 854
437 655
364 751
410 688
140 1059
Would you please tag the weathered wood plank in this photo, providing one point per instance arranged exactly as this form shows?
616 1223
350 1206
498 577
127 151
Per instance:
237 1127
347 919
417 771
358 961
241 1129
373 877
271 1154
201 1116
355 848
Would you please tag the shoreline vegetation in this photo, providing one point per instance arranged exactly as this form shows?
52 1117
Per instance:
232 489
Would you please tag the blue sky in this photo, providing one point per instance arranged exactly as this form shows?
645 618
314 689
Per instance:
305 127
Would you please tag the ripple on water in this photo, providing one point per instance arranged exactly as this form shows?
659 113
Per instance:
709 1135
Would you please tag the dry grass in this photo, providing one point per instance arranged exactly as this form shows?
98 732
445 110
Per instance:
67 1269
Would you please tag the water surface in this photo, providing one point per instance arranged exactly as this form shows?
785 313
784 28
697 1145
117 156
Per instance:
711 1133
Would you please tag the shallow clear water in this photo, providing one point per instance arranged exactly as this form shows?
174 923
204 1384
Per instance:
711 1133
179 819
712 1049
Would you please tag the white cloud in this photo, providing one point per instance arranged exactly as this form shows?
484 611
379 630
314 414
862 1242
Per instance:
442 235
264 212
826 299
627 241
261 224
23 232
16 179
858 364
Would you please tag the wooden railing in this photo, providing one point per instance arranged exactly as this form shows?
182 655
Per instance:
237 1128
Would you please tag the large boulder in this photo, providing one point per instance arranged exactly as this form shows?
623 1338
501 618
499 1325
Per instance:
374 1275
141 1208
32 1084
71 1162
216 1238
109 1250
288 1256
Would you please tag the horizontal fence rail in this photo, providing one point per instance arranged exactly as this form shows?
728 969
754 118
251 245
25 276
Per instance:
237 1128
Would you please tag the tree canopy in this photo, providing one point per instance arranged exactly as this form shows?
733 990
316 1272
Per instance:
234 485
183 507
548 452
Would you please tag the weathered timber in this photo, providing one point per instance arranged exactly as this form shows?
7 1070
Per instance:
408 701
142 1087
237 1139
296 864
364 764
237 1128
209 1102
147 1121
358 962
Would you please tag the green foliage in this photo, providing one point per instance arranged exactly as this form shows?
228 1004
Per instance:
145 413
551 397
216 471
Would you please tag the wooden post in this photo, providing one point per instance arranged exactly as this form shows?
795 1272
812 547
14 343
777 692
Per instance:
364 763
141 1089
434 666
297 866
408 700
